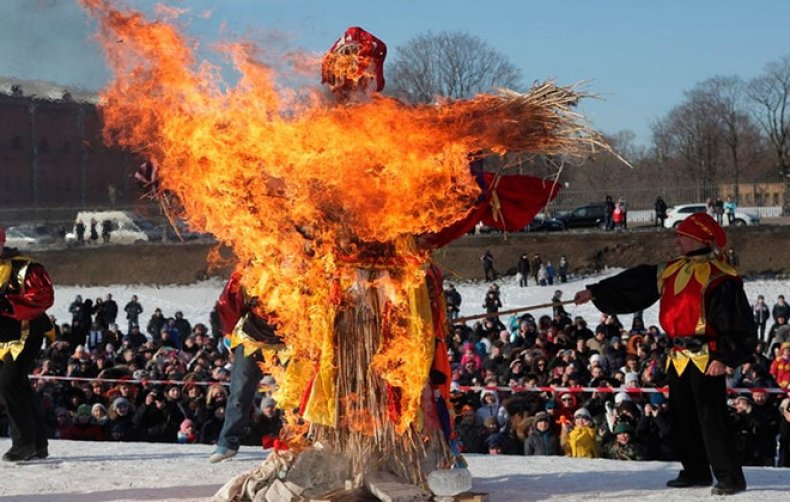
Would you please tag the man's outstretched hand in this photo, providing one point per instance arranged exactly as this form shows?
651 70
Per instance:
582 296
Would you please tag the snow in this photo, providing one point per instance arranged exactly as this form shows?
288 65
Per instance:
94 472
197 300
84 471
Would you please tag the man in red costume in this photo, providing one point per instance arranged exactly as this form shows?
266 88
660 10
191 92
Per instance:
705 312
25 295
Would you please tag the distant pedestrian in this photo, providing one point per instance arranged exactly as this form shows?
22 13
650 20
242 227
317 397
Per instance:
718 206
522 268
80 230
133 310
106 229
535 267
729 208
563 270
488 266
661 211
94 236
609 213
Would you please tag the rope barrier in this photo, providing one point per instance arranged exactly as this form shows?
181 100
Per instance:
125 380
475 388
632 390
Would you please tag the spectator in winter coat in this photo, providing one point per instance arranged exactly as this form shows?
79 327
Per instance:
488 266
522 268
614 356
624 446
768 418
133 310
468 431
83 429
265 426
563 270
187 432
156 323
453 299
535 267
654 428
784 434
489 406
780 368
745 431
110 310
542 441
579 439
183 326
121 414
780 309
761 315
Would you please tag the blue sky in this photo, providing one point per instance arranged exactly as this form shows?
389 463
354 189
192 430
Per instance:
639 56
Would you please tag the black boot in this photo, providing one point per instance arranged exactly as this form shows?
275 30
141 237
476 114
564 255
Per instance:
728 488
683 481
19 454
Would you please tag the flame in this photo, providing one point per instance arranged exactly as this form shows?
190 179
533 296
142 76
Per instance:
298 186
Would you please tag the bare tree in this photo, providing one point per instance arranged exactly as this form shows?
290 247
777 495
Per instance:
739 134
770 93
454 65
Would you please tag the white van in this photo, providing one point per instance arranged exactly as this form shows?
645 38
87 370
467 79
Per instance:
124 229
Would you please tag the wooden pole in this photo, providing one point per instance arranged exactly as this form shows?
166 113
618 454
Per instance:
511 311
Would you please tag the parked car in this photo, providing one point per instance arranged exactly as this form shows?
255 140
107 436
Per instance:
678 213
124 230
590 215
543 224
26 236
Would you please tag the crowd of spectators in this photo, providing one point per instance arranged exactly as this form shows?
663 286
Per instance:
495 360
191 360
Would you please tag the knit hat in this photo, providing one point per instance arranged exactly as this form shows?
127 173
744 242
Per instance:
120 401
622 428
582 412
489 421
542 416
620 397
551 404
267 402
657 398
703 228
186 424
99 406
84 410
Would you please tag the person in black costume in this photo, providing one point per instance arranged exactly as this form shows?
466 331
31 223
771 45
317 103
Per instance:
707 316
25 295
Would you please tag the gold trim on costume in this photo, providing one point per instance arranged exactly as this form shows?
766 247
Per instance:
680 359
15 347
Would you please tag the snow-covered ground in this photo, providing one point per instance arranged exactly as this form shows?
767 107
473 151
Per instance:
197 300
103 472
98 472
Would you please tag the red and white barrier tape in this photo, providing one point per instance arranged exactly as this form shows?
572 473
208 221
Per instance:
476 388
124 380
628 390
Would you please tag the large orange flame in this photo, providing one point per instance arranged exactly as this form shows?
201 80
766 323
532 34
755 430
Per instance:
293 183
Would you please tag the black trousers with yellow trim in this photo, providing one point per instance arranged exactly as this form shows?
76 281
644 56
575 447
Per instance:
701 429
24 414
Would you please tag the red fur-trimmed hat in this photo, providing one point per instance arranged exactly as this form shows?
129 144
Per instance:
702 227
353 60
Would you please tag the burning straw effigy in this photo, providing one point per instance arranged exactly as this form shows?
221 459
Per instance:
333 211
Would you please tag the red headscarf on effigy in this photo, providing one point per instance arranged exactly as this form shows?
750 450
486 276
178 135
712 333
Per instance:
703 228
353 59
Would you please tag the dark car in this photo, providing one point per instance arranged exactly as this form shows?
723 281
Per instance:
590 215
543 224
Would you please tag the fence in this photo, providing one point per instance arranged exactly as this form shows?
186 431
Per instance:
768 199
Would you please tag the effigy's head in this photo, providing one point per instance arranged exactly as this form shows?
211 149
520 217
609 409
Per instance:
354 64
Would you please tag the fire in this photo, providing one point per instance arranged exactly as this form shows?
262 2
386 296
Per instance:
300 188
